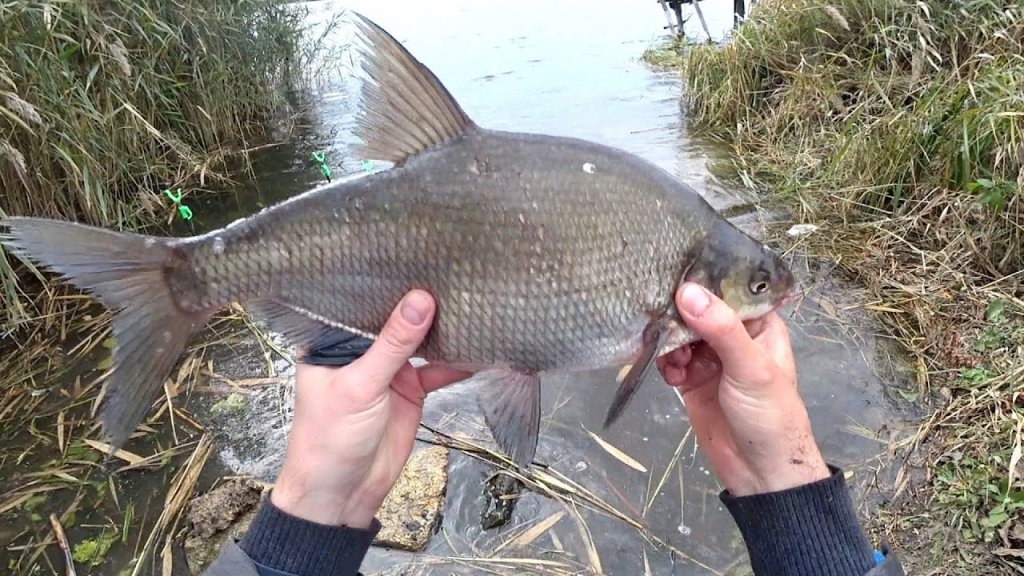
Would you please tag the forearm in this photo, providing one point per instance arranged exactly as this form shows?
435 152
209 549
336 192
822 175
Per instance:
810 530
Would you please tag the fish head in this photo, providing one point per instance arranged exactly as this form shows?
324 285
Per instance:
749 276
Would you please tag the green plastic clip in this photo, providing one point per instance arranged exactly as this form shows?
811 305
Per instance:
183 210
321 160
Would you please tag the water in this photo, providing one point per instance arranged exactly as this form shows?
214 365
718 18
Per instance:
567 68
564 68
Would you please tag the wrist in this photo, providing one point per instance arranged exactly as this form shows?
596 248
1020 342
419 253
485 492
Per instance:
285 544
300 495
807 467
787 458
792 532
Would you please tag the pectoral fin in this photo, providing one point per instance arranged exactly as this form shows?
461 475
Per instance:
654 337
510 401
325 344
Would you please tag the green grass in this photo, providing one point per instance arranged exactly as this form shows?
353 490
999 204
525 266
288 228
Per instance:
879 97
898 128
105 104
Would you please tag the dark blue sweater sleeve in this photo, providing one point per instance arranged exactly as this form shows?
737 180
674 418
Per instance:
283 545
810 530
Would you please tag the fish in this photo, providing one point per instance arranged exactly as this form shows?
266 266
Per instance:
544 254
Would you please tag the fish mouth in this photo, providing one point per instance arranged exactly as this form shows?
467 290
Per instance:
786 298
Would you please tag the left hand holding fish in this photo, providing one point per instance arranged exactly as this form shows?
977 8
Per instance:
354 427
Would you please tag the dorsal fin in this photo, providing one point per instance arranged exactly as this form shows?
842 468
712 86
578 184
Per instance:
404 108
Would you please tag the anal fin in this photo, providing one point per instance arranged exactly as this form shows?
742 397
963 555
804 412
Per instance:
324 344
510 401
654 336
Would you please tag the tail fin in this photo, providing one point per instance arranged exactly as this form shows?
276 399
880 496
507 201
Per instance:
127 273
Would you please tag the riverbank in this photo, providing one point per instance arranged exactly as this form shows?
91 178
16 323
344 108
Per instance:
897 129
103 106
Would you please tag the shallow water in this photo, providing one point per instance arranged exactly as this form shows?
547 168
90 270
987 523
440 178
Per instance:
568 68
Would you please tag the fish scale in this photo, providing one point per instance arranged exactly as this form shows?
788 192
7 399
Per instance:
544 255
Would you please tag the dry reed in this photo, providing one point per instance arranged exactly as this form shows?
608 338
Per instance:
897 128
105 104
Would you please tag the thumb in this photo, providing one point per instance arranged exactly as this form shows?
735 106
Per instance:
398 340
721 328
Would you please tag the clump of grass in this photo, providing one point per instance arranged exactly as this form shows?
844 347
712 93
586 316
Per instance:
884 99
105 104
93 552
667 55
898 128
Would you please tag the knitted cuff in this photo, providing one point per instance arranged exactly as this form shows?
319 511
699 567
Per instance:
289 544
809 529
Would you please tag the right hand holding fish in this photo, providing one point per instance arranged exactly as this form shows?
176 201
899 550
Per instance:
354 426
739 388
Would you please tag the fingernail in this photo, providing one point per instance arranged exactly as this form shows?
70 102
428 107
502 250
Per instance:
695 299
415 309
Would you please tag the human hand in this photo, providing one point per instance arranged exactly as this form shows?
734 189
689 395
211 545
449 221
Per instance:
739 388
354 426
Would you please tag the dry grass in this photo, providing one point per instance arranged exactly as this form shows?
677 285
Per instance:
105 104
897 128
102 106
501 558
56 473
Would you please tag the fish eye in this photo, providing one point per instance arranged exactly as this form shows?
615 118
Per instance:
759 282
758 287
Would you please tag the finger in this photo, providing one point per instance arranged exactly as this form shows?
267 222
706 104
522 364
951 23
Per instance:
714 435
755 327
720 327
673 365
673 375
773 331
397 342
708 422
774 340
704 369
678 358
681 356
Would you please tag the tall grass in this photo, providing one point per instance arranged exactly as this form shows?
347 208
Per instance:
105 104
882 101
897 127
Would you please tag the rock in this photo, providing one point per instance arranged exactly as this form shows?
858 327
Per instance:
501 493
225 512
411 511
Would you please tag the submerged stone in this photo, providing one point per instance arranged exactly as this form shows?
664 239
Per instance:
501 492
413 507
222 513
